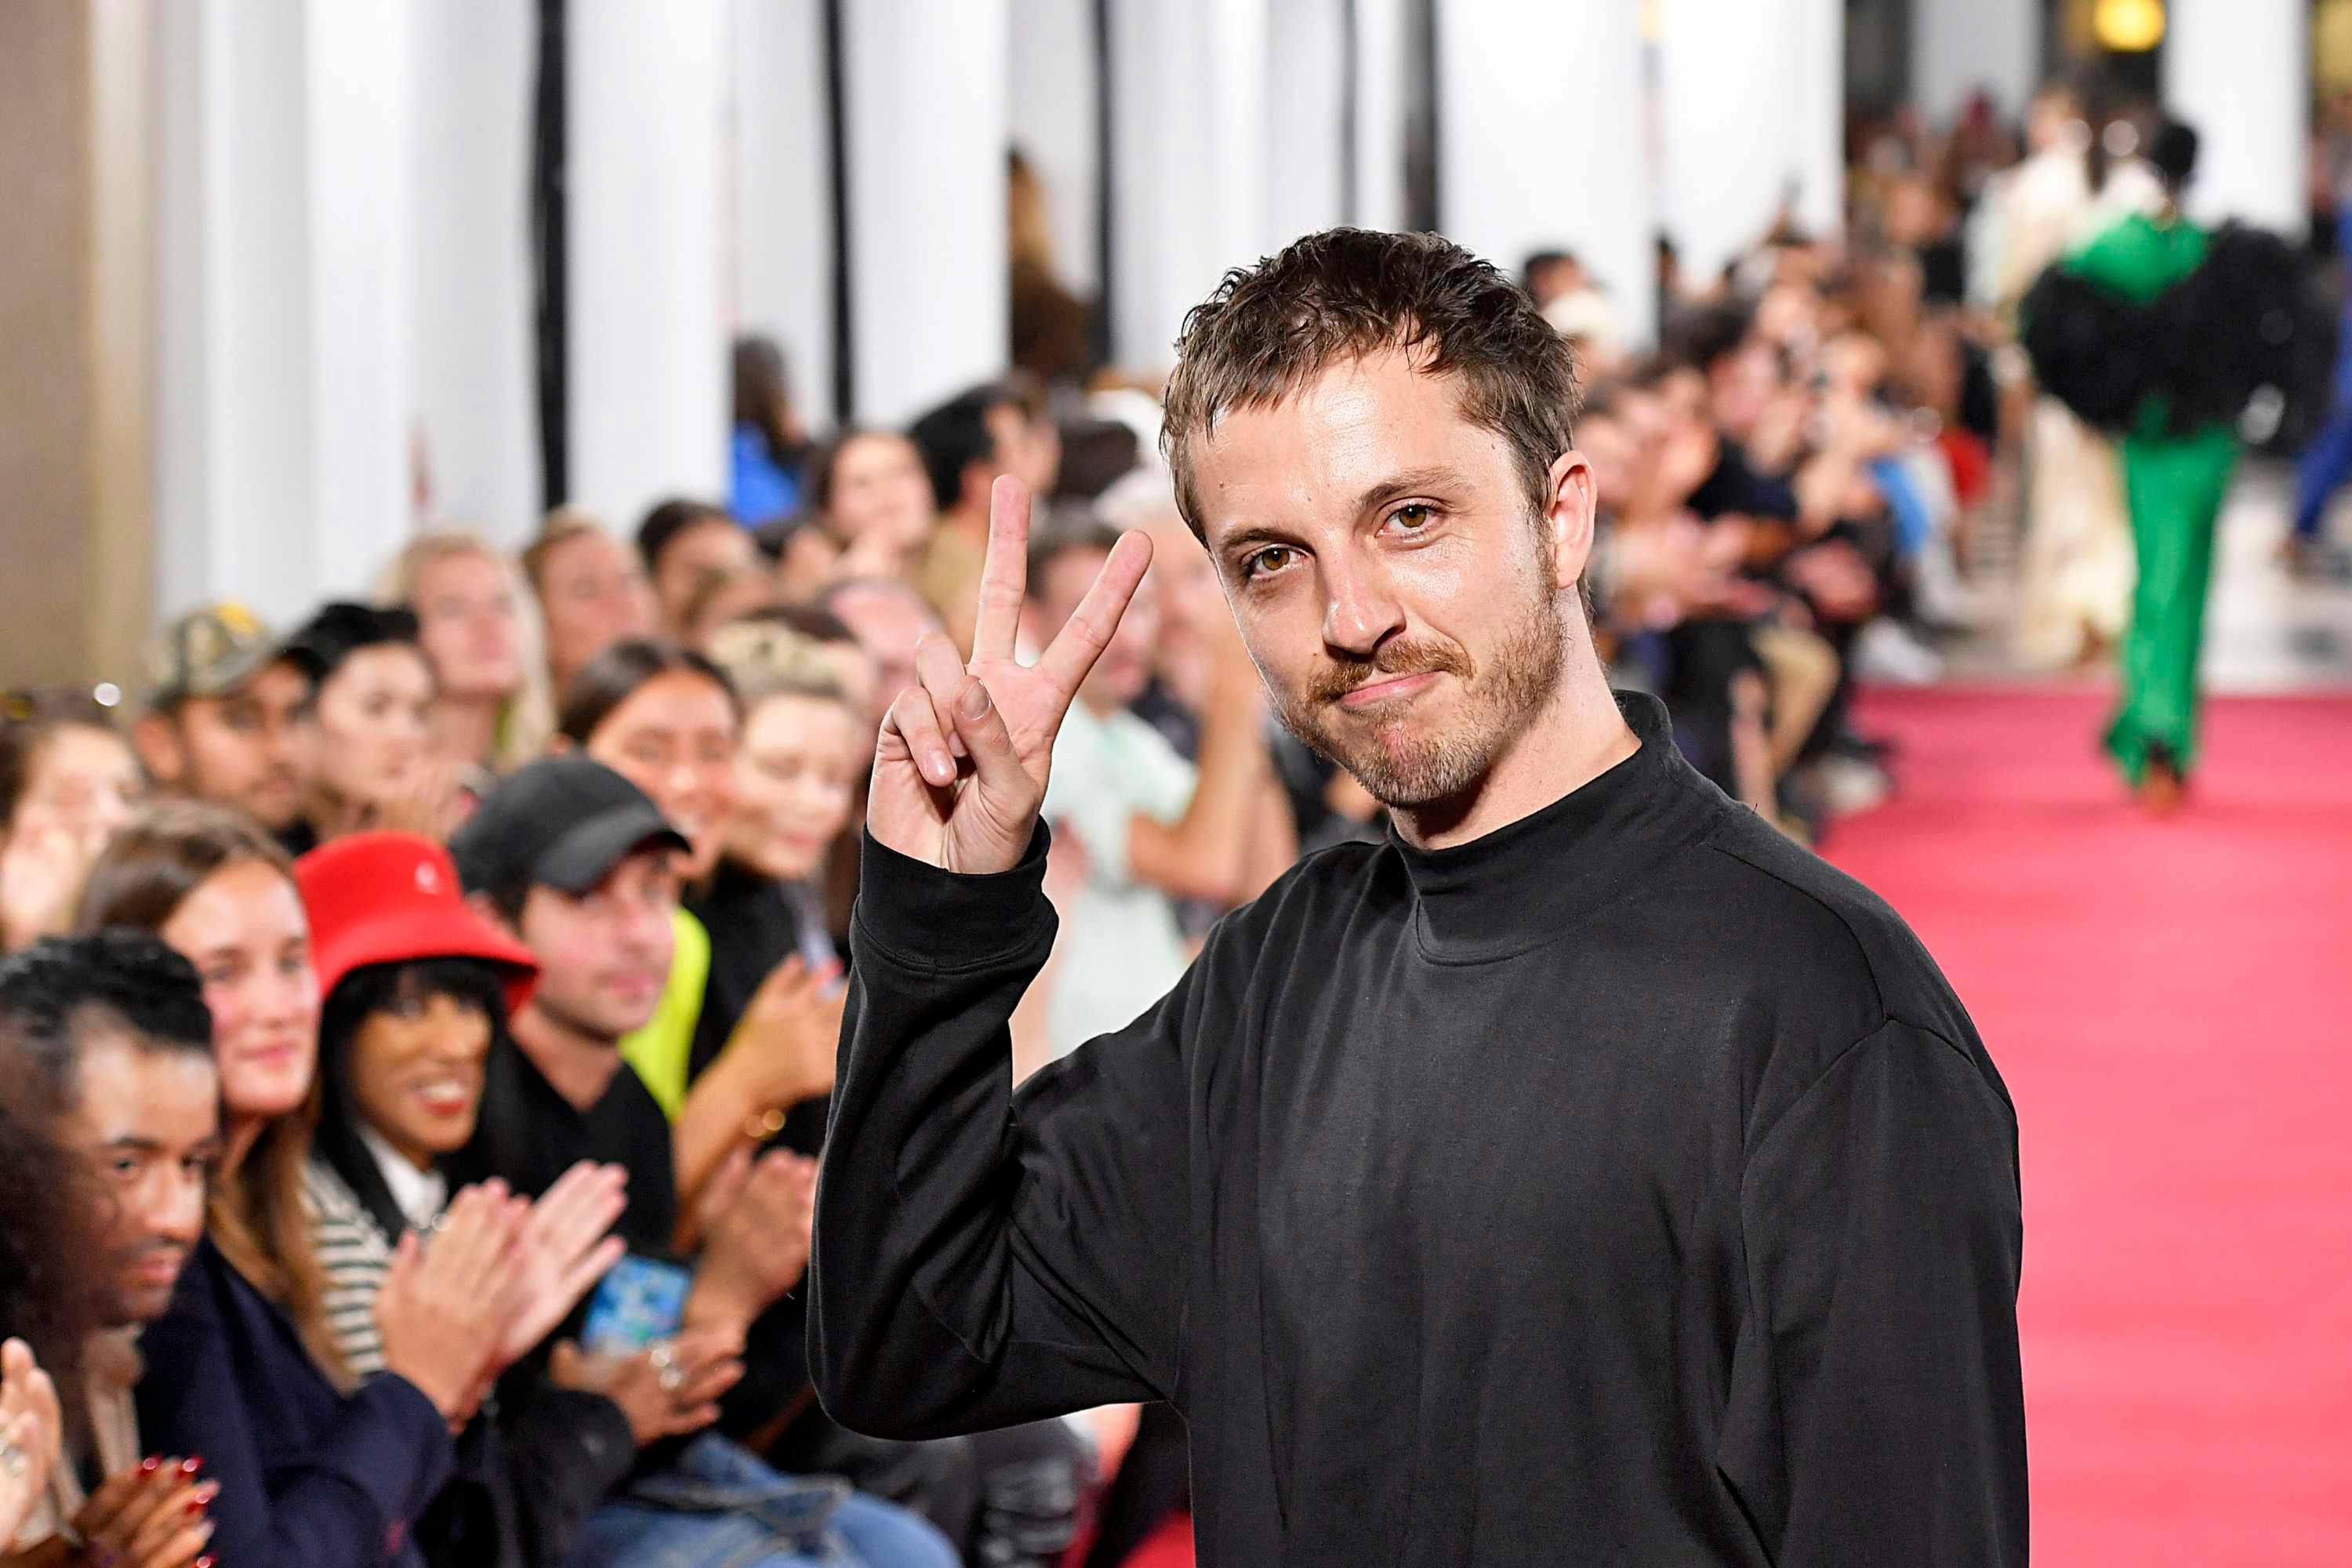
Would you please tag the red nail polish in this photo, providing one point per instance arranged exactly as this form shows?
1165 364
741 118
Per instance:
195 1507
190 1466
149 1464
204 1561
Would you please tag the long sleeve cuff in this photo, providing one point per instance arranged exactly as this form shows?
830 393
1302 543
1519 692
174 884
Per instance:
921 917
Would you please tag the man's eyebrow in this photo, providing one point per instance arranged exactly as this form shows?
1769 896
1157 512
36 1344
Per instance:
1397 486
1255 533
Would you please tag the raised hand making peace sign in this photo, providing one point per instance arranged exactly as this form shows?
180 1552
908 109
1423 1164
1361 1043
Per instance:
959 771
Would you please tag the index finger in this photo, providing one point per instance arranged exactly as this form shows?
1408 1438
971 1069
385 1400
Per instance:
1004 570
1074 648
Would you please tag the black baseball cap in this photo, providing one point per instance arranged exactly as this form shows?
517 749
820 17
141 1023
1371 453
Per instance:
561 821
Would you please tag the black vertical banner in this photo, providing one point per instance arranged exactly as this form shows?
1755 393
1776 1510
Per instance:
836 113
1424 209
1106 185
551 289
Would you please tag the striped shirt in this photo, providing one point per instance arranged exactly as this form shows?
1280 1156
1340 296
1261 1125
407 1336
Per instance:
355 1254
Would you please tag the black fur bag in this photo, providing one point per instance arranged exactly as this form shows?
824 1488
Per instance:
2248 321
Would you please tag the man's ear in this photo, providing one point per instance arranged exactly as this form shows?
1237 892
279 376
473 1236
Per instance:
156 739
1574 503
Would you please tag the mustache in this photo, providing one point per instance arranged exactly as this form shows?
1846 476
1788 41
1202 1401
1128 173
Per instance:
139 1252
1395 657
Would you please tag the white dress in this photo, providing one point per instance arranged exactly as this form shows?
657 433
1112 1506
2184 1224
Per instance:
2076 566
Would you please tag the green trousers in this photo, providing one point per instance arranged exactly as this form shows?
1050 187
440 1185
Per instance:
2173 489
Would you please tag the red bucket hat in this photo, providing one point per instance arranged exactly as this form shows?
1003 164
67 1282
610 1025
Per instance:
388 897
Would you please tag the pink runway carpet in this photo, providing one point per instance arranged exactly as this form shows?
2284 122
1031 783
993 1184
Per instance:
2170 1002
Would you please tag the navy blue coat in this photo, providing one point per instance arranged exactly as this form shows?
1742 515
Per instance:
310 1477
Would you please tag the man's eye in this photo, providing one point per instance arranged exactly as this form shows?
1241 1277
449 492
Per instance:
1273 558
1412 515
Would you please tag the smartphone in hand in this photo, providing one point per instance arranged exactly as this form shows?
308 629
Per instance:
639 1303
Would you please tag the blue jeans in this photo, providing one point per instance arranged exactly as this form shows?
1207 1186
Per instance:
718 1506
2326 463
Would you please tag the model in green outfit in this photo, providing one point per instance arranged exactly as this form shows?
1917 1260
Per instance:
2173 485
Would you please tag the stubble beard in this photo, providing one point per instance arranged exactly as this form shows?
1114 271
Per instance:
1403 766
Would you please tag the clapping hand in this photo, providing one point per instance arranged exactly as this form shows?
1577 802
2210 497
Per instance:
759 1215
444 1310
29 1433
789 1037
42 870
960 769
565 1249
149 1517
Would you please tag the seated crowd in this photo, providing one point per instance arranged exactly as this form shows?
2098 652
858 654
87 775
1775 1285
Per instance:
416 1025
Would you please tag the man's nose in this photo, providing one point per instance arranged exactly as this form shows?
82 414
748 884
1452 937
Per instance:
180 1215
1359 613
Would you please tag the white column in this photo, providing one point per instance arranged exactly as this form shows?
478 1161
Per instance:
1379 114
1540 144
1188 85
646 333
782 192
926 83
1961 48
2237 71
1817 128
284 376
1052 113
476 391
1306 89
359 66
1750 102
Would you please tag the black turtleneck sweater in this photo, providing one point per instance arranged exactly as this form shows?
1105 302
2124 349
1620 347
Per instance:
1625 1186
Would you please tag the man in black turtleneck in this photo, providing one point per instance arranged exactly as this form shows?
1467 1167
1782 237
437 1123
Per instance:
1585 1175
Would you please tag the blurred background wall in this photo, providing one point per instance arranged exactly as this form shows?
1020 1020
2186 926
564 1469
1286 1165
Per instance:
343 267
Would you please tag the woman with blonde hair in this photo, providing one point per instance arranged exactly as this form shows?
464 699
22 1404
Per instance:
479 628
591 588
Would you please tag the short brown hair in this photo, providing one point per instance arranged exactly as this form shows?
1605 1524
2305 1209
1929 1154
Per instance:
160 856
1347 293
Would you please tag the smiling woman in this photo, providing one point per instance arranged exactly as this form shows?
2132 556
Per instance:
665 719
418 988
219 890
